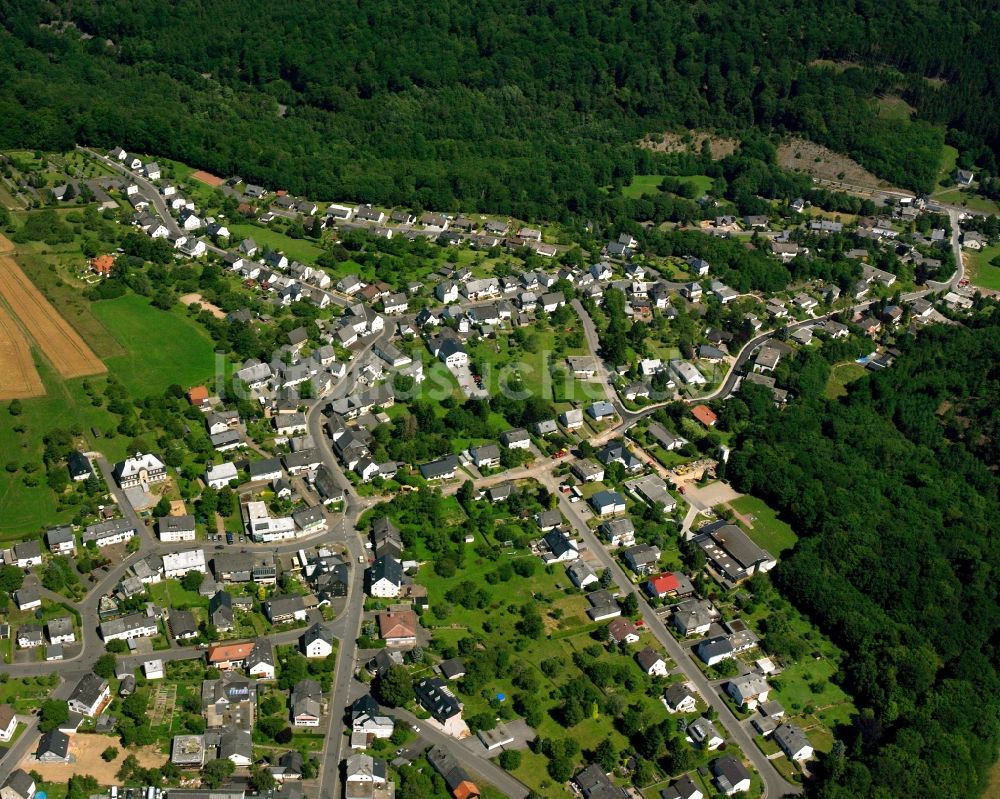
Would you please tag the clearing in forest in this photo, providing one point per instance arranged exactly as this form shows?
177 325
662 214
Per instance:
60 343
815 160
670 142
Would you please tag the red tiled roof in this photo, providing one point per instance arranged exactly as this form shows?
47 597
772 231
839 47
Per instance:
229 652
665 583
705 415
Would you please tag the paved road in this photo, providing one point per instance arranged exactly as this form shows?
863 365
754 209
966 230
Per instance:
477 766
774 784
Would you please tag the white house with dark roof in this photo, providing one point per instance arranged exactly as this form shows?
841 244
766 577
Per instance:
60 540
140 469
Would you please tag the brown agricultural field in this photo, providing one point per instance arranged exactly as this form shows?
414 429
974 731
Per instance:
20 378
60 343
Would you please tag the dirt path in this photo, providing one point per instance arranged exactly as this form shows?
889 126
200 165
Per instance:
20 378
60 343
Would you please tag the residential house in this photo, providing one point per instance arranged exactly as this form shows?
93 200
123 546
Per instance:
601 410
89 695
642 559
731 776
27 554
460 785
385 577
702 733
748 690
176 528
607 503
679 698
178 564
60 540
670 584
134 625
593 783
560 547
622 631
793 742
53 747
30 636
183 624
27 598
618 532
651 662
398 628
317 641
572 419
441 469
79 467
485 456
714 650
8 723
220 611
684 788
141 469
516 439
284 608
694 616
437 699
580 574
687 373
60 630
731 555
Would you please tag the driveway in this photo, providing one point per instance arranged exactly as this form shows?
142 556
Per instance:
713 494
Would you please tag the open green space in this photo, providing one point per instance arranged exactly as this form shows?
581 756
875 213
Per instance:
968 199
296 249
768 530
50 268
26 502
647 185
982 271
172 594
163 347
840 376
946 169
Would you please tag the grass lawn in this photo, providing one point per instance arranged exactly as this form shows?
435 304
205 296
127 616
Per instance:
946 168
895 108
968 199
178 353
981 271
768 530
173 594
296 249
50 269
567 632
29 508
644 185
842 374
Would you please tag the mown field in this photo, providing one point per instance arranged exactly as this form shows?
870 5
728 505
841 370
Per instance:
296 249
982 271
161 347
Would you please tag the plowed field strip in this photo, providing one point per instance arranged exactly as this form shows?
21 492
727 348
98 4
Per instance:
18 377
61 344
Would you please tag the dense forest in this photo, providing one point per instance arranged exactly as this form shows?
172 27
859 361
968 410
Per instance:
531 108
894 490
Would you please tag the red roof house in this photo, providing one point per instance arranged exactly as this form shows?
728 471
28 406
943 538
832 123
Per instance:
705 415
